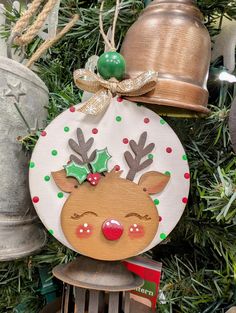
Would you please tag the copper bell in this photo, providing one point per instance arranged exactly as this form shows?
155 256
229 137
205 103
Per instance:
170 38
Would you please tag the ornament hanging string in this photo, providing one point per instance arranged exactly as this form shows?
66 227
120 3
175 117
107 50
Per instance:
103 89
19 38
109 43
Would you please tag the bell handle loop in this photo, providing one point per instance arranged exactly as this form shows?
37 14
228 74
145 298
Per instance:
46 45
10 42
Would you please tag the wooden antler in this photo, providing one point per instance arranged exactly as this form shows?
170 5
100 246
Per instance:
82 148
140 151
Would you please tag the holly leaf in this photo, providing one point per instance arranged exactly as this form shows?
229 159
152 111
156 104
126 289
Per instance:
77 171
99 164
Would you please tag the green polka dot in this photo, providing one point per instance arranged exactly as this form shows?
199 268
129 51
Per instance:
51 231
60 195
150 156
31 165
54 152
46 178
118 118
139 104
66 129
184 157
167 173
156 201
162 121
163 236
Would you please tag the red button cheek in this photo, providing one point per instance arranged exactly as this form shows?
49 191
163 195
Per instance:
84 231
136 231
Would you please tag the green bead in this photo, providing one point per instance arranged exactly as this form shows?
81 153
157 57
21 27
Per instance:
111 64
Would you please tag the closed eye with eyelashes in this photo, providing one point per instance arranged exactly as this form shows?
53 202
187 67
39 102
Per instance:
144 217
78 216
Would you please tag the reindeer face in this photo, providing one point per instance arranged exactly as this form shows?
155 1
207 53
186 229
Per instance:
114 218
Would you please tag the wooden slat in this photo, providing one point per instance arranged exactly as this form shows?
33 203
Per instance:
80 299
63 299
113 302
127 302
102 302
137 307
67 297
121 301
93 301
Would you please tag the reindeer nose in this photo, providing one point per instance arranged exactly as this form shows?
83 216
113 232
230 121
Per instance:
112 229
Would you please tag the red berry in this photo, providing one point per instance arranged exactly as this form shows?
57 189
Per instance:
90 177
96 176
93 178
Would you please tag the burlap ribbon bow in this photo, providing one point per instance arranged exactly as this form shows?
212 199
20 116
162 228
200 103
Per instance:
104 90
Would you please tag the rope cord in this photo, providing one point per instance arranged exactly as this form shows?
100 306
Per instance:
110 43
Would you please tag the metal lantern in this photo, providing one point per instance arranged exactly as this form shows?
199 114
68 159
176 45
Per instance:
170 38
23 97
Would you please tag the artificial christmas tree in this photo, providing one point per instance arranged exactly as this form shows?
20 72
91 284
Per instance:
199 255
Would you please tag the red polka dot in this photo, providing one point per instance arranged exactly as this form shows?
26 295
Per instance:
119 99
146 120
117 167
160 218
43 133
94 131
125 141
186 175
168 150
72 109
35 199
185 200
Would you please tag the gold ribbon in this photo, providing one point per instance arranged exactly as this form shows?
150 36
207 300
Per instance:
104 90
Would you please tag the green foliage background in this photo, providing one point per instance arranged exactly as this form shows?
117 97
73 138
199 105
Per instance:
199 265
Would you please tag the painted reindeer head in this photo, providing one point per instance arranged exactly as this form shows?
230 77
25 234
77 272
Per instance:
108 217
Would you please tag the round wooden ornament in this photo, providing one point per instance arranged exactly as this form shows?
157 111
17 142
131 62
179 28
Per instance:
232 124
109 186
